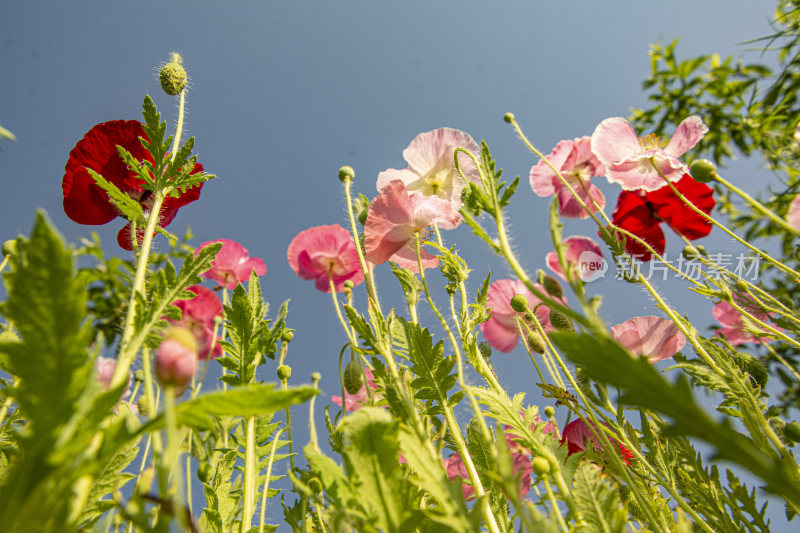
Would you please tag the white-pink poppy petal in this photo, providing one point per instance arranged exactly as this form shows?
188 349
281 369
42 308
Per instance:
614 139
734 325
577 246
433 149
544 181
638 172
688 134
569 206
793 216
653 337
406 175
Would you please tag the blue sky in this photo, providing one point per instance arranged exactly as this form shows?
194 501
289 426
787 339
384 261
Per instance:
284 93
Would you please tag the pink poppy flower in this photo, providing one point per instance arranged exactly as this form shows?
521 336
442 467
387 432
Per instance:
105 367
653 337
582 252
320 250
198 316
511 438
627 158
393 219
354 402
501 329
733 323
577 164
431 166
793 216
232 264
577 435
176 359
456 469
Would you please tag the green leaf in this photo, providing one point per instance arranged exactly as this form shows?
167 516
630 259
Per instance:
126 205
597 500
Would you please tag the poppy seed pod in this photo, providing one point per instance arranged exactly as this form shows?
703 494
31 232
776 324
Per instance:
353 377
346 173
541 466
703 170
173 76
284 372
552 286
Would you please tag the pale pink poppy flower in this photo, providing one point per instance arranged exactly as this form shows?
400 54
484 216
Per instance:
456 469
354 402
176 360
431 166
501 329
232 264
577 164
582 252
651 336
733 323
394 218
793 216
627 158
318 251
197 315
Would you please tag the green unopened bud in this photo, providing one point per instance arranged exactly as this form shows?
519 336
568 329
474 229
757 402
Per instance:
690 252
549 411
702 250
284 372
10 247
353 377
315 485
485 349
703 170
541 466
792 431
509 117
560 321
741 285
315 377
536 343
519 303
287 336
141 405
173 76
752 366
138 376
552 286
348 285
346 173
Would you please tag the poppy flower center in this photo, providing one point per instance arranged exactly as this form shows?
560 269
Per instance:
651 142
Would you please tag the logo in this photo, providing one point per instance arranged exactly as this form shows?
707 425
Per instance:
591 266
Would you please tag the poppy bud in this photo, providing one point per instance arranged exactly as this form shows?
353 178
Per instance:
348 285
138 376
560 320
509 117
703 170
752 366
141 404
315 377
536 343
519 303
741 285
541 466
549 411
173 75
486 349
315 485
10 247
353 377
690 252
792 431
552 286
287 336
176 359
284 372
346 173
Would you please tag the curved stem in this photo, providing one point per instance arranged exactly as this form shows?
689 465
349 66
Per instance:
757 205
350 335
368 277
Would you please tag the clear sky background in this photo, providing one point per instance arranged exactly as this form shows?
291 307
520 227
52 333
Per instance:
284 93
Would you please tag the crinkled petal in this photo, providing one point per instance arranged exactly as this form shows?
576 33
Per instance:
406 175
435 148
569 206
638 173
688 134
389 223
579 250
653 337
406 257
679 216
635 216
544 181
615 140
318 251
582 155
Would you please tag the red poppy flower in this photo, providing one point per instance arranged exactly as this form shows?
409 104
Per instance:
642 213
86 203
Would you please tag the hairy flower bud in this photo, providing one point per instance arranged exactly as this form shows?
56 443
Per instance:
519 303
541 466
353 377
560 321
284 372
176 359
287 336
346 173
549 411
486 349
315 485
703 170
536 343
509 117
792 431
173 75
10 247
752 366
348 285
690 252
315 377
552 286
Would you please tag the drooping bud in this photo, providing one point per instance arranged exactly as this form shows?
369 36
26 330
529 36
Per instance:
176 359
346 173
703 170
792 431
536 343
549 411
541 466
10 247
741 285
287 336
552 286
519 303
690 252
509 117
138 376
315 485
353 377
173 75
284 372
348 285
560 321
486 349
315 377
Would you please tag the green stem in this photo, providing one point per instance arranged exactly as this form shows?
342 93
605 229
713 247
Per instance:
176 143
171 457
755 203
285 386
371 291
248 503
554 503
266 480
350 335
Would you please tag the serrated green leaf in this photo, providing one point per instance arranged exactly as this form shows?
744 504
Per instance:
597 500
